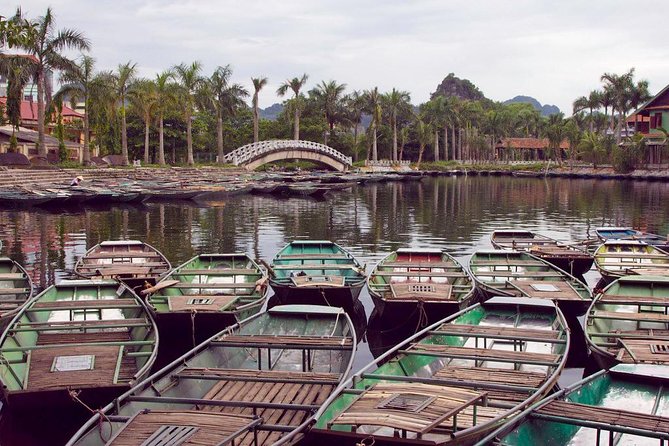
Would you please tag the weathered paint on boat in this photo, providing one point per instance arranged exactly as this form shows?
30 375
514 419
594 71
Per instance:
92 337
205 295
428 282
472 352
316 272
610 233
628 322
282 364
513 273
626 405
566 257
619 258
16 288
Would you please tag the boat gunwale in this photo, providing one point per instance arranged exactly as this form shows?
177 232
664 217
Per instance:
165 371
9 315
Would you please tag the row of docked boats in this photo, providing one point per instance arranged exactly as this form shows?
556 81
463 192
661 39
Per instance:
478 351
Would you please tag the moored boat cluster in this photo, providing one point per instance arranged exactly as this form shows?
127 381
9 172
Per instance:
165 355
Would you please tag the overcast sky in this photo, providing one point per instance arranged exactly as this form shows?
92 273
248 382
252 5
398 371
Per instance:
554 50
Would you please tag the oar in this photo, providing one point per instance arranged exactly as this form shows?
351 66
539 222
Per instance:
159 286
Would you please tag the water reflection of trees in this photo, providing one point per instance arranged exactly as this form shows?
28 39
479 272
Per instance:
447 211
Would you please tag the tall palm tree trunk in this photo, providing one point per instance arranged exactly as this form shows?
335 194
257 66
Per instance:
124 137
296 134
375 155
355 143
161 143
436 145
189 141
41 87
453 151
445 143
219 136
394 139
87 138
146 141
256 124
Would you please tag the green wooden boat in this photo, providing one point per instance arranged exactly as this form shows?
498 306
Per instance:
428 282
626 405
513 273
568 258
618 258
629 322
608 233
16 288
205 295
316 272
96 338
272 371
453 382
131 261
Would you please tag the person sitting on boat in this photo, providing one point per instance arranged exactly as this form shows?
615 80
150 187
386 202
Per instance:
76 180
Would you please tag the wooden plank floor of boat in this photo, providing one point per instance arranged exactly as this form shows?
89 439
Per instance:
288 392
211 428
564 290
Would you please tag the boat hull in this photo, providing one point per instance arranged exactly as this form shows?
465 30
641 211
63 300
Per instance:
344 297
62 399
426 312
574 266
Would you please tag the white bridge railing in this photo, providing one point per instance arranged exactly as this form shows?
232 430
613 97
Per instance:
250 152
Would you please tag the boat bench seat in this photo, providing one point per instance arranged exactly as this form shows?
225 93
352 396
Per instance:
624 316
100 266
484 354
315 266
652 351
421 274
82 338
632 300
80 325
507 263
217 272
126 254
484 331
311 256
421 265
212 286
84 304
313 342
10 291
259 375
12 276
527 240
517 274
613 417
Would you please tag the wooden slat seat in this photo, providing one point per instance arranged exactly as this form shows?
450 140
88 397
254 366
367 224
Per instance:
10 291
122 254
82 338
84 304
639 255
277 375
217 303
633 300
419 274
212 428
315 266
528 240
565 290
493 375
269 340
509 263
311 256
485 354
217 272
213 286
614 417
420 265
497 332
94 266
625 316
420 291
445 402
517 274
12 276
649 334
635 265
80 325
652 351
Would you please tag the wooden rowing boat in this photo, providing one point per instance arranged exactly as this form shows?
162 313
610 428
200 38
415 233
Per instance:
626 405
609 233
16 288
629 322
568 258
131 261
619 258
454 381
96 338
203 296
513 273
316 272
274 370
426 281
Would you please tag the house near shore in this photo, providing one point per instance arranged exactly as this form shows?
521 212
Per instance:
652 121
27 145
526 149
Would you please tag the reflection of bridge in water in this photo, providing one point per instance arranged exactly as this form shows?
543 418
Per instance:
256 154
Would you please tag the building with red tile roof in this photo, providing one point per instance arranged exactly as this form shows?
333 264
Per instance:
525 149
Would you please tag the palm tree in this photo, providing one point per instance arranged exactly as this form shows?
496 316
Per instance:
294 84
122 79
258 83
46 45
189 81
224 98
18 71
555 132
355 106
329 97
639 95
78 84
165 95
620 87
373 107
423 135
395 100
433 113
143 99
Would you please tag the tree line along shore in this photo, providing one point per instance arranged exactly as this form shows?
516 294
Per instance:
183 114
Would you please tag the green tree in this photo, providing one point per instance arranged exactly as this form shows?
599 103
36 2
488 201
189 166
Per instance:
46 45
555 132
189 80
423 135
143 99
394 102
328 96
295 84
122 78
258 84
373 107
619 87
165 96
593 146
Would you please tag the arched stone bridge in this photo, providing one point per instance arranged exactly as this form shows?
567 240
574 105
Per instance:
256 154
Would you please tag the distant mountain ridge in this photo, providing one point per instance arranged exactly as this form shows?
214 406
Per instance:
546 109
271 112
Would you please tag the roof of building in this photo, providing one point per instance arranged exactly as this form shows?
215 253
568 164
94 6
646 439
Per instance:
635 117
657 102
527 143
29 110
24 135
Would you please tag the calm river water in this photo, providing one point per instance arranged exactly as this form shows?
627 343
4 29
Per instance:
456 213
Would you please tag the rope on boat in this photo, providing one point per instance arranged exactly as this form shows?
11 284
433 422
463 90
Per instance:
102 417
325 298
192 326
423 320
364 442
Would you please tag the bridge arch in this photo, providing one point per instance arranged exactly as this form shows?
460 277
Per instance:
254 155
